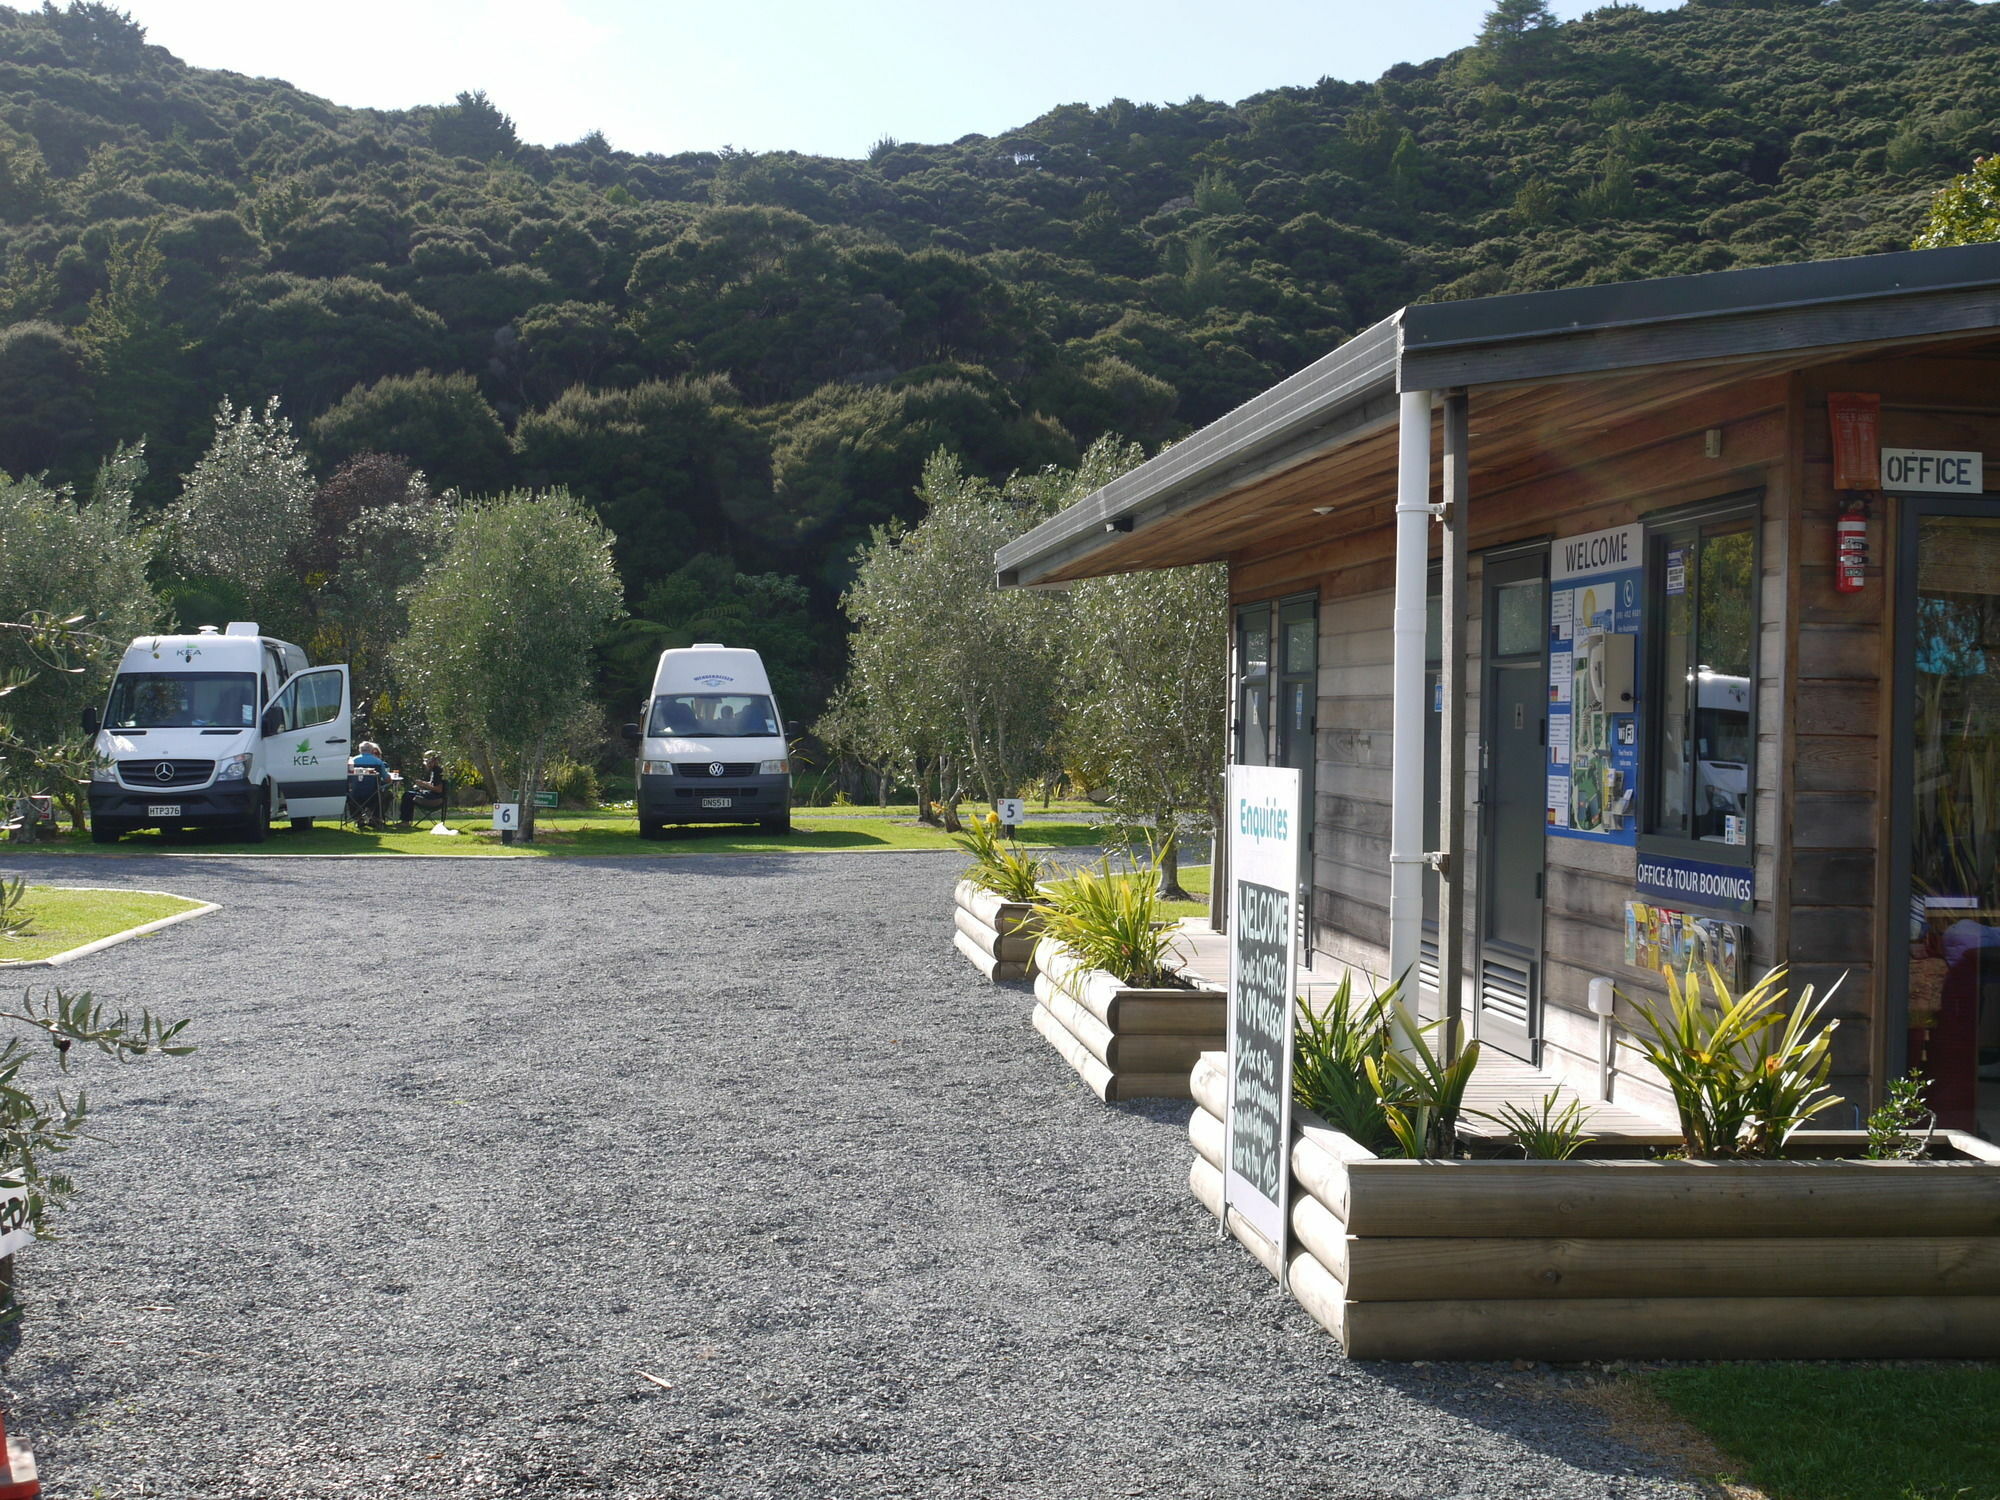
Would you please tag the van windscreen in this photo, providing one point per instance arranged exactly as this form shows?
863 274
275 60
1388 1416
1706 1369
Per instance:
182 700
712 716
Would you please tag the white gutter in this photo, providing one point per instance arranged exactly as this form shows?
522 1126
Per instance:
1406 686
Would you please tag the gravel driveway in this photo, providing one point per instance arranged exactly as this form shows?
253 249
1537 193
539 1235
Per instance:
468 1144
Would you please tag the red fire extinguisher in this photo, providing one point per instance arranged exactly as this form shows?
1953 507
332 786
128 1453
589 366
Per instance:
1850 561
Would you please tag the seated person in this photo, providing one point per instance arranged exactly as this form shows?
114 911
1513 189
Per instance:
366 772
426 789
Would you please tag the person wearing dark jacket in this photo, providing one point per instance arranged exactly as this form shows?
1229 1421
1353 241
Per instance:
426 789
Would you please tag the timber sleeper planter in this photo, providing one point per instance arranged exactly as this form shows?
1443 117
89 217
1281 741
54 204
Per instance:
1124 1042
1833 1258
997 936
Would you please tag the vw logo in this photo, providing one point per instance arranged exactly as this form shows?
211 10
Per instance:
715 768
163 772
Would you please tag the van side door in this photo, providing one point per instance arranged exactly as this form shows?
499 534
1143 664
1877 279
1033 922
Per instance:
305 749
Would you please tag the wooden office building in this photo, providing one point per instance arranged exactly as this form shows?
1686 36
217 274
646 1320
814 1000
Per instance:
1617 624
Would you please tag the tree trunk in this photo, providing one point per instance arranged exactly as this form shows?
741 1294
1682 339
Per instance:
1170 867
482 759
881 786
926 807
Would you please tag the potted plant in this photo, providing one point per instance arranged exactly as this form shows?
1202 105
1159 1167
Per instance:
1109 994
1743 1234
994 902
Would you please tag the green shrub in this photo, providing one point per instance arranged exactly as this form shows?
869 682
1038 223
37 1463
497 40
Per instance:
1893 1128
574 785
1745 1074
1113 922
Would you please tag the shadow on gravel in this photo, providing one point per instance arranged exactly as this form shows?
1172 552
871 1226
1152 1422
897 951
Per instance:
1545 1408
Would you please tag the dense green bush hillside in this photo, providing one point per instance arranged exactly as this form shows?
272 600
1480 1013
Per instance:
751 355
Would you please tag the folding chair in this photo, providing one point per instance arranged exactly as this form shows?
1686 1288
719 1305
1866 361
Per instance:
364 803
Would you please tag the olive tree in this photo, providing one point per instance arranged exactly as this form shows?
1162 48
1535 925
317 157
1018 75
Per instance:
499 649
1145 682
73 591
947 671
246 510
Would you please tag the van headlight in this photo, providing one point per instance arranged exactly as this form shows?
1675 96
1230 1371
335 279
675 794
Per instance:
233 767
774 768
656 768
104 770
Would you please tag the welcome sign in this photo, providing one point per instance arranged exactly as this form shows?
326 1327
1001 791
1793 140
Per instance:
1264 844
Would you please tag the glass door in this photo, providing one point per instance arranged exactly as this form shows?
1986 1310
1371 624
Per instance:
1948 808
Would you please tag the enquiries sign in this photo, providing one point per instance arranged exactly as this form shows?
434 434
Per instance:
1264 844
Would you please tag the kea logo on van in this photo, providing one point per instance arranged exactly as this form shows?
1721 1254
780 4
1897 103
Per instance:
303 755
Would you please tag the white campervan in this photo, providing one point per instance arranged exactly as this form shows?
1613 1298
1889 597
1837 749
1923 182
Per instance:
218 729
713 746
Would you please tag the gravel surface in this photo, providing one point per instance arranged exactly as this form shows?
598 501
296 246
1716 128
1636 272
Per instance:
468 1145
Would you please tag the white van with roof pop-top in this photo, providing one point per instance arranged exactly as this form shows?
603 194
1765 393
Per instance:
713 747
224 729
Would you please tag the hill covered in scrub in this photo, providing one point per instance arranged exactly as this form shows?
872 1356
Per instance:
751 355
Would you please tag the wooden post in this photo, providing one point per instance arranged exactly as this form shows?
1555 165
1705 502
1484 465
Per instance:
1451 739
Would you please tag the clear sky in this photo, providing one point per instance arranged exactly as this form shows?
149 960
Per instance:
827 77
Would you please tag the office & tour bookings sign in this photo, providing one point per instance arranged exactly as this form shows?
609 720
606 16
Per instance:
1595 592
1264 843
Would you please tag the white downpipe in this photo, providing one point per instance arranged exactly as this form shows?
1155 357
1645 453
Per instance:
1406 686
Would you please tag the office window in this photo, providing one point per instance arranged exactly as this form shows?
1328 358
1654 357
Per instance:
1253 713
1702 731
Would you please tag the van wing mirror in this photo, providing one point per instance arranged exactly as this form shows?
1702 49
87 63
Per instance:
274 721
91 723
631 732
792 730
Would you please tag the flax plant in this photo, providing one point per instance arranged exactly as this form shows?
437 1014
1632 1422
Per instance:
1745 1073
1113 921
1545 1133
998 865
1421 1094
1331 1050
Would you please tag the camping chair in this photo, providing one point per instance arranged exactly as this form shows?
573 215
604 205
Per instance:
365 794
435 812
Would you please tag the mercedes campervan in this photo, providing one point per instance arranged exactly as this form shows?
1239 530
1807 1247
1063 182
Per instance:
219 729
713 746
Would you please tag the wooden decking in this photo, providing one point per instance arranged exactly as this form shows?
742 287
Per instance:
1499 1079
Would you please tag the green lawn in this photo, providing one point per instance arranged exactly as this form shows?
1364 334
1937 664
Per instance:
63 920
1194 879
608 831
1840 1432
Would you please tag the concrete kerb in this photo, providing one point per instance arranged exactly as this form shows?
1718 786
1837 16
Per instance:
71 955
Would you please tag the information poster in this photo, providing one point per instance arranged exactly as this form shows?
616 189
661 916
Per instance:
1264 842
1596 601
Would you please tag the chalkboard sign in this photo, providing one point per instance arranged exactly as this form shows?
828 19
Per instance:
1264 843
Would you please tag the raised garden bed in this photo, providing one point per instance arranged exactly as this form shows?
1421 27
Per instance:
1125 1042
996 936
1617 1256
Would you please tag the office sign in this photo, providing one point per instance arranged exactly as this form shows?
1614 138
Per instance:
1698 883
1936 470
1264 843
